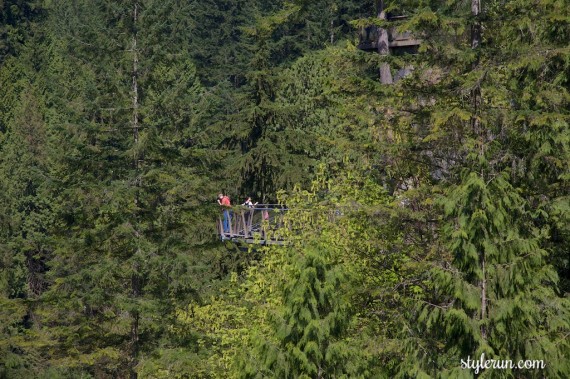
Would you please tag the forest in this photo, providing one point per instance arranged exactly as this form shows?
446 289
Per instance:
446 164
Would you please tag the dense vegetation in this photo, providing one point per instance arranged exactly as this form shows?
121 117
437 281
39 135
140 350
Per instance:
121 121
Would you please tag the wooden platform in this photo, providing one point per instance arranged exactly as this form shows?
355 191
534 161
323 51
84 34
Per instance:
399 43
259 225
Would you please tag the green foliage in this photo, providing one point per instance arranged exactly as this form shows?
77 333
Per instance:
498 290
308 329
428 220
495 297
17 20
26 246
123 181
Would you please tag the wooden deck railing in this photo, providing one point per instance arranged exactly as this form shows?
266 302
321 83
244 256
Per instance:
259 224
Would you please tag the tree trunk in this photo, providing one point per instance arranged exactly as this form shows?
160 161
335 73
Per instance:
135 277
477 130
476 27
483 299
135 83
383 47
385 74
136 289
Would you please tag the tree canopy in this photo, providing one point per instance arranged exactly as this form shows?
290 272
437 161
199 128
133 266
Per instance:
428 191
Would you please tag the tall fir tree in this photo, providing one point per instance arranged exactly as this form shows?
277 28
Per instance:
130 193
498 294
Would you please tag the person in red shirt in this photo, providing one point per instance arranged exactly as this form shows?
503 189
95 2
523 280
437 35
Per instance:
224 201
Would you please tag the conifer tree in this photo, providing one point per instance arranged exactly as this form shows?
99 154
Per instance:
498 293
217 42
17 21
437 237
26 247
124 112
26 196
264 158
309 328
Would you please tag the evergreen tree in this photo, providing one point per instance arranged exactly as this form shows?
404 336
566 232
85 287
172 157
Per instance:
216 43
268 141
499 298
308 331
129 191
499 295
27 226
17 20
437 236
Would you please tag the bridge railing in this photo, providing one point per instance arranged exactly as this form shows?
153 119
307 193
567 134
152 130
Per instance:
261 222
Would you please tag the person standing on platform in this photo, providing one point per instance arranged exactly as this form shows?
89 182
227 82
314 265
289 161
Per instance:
225 203
248 214
248 203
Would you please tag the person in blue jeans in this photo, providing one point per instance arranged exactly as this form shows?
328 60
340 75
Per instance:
224 201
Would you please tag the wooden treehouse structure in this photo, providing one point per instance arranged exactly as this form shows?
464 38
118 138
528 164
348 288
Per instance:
398 42
262 224
386 40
